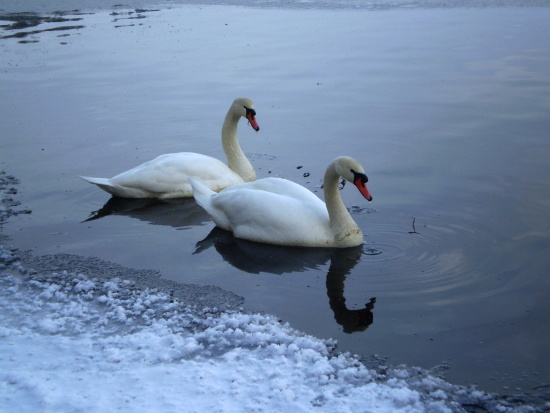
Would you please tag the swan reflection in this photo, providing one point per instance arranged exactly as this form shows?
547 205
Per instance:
351 320
178 213
255 258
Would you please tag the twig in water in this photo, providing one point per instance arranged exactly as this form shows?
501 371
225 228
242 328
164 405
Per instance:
414 228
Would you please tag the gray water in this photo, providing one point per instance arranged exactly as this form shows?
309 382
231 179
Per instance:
447 110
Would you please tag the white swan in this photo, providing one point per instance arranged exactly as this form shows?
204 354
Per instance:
278 211
166 176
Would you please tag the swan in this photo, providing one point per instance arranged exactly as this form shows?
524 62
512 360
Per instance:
278 211
167 175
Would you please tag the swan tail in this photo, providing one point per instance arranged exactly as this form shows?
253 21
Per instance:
106 185
203 195
97 181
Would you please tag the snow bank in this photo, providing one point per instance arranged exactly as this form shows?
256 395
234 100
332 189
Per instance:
70 342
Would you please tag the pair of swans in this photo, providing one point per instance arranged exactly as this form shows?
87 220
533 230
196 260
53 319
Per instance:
270 210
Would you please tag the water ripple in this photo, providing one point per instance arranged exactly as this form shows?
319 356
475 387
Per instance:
435 255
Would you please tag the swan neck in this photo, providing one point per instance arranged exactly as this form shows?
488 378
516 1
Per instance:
342 225
236 159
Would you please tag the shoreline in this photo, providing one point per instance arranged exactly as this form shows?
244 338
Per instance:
192 294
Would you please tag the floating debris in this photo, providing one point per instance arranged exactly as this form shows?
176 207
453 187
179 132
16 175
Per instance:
356 210
371 251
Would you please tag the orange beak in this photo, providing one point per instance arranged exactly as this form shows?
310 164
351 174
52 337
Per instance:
360 184
252 120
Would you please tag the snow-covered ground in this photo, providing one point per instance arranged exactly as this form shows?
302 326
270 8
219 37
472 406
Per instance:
97 341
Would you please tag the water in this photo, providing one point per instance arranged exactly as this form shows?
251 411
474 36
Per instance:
446 109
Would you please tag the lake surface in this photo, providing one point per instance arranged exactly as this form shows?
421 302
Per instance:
447 110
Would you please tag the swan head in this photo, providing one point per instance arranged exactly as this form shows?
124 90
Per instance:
352 171
245 107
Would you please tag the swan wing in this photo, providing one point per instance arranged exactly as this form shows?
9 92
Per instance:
167 175
275 211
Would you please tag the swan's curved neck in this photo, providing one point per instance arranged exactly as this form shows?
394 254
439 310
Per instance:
236 159
342 225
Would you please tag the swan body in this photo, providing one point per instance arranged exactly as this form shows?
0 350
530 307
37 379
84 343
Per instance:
167 176
278 211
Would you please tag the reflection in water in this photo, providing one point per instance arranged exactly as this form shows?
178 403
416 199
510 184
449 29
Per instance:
351 320
255 258
178 213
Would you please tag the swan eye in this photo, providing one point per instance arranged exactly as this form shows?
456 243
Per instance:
249 111
359 176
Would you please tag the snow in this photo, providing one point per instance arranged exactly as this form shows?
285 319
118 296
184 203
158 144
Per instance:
71 342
